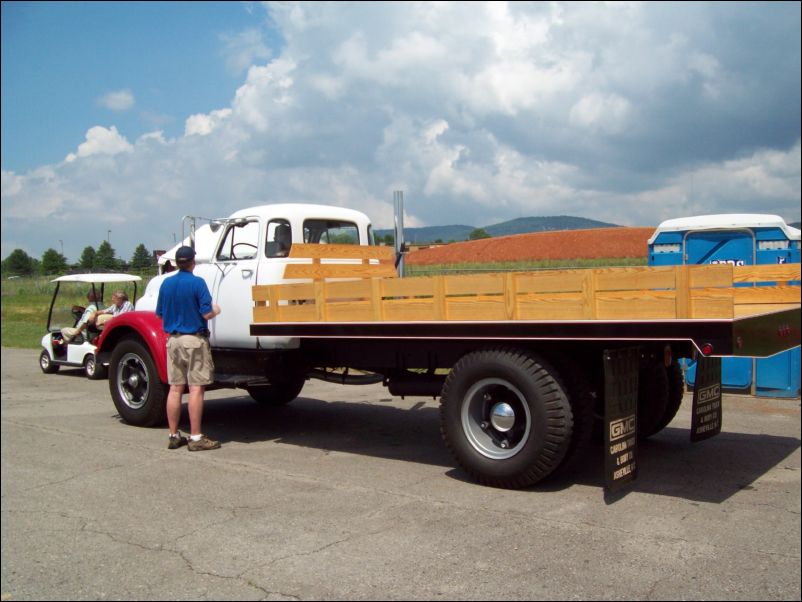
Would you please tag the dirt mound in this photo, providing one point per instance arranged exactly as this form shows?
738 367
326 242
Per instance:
564 244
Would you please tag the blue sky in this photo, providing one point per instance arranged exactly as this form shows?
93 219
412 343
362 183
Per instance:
127 116
60 58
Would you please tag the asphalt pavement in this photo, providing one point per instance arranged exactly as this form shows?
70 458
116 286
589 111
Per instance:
348 493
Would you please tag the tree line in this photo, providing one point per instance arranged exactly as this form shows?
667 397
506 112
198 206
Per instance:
102 259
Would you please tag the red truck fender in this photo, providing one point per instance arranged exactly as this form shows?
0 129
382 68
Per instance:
144 325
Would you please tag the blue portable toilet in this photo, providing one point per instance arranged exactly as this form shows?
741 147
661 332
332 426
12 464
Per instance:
737 239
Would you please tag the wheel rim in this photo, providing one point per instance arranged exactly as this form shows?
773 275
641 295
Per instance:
91 366
496 418
44 361
132 381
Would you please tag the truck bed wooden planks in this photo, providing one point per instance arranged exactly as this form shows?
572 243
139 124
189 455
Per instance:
640 293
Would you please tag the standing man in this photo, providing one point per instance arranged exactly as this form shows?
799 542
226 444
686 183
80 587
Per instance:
184 306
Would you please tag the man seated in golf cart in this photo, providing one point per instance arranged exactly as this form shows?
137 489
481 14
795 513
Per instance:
70 334
119 305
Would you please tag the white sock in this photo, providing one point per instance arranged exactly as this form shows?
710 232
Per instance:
196 437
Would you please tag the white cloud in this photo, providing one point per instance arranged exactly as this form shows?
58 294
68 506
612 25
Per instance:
626 112
204 124
158 136
607 113
119 100
265 95
243 49
747 183
101 141
10 184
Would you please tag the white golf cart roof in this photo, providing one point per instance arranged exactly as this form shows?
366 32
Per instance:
726 221
98 278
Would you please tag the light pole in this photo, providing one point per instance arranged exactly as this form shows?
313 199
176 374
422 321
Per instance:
62 246
108 236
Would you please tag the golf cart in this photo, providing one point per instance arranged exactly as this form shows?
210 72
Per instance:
66 311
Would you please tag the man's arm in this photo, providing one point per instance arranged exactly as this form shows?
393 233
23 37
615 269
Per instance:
215 312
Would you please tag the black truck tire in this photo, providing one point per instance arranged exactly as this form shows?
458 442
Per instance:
582 398
653 397
139 394
676 389
506 417
278 393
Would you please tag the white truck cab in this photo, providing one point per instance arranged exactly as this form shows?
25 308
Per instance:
251 247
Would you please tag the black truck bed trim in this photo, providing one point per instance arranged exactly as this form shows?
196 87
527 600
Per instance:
776 331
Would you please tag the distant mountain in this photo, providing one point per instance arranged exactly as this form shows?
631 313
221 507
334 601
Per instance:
797 225
522 225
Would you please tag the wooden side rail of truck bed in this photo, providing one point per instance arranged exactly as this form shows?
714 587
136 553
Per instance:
633 293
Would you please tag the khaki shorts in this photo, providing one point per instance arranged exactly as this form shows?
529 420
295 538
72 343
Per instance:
189 360
102 319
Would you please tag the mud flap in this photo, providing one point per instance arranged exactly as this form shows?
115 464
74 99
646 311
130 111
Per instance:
706 409
621 367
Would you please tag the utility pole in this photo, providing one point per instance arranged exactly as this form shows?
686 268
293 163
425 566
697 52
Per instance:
398 201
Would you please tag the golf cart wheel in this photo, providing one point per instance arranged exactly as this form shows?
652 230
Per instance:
46 363
93 369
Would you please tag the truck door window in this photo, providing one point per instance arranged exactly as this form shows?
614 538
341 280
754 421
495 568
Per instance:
279 238
330 232
240 242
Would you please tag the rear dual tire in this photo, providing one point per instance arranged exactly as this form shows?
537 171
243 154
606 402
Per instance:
278 393
660 394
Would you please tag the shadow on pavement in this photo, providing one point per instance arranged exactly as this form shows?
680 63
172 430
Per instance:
669 464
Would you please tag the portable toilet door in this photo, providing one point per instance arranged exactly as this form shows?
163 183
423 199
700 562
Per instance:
778 376
735 247
736 239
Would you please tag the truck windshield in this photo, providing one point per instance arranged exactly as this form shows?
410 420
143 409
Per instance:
330 232
240 242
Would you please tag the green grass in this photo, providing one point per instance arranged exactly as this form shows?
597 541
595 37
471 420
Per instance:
25 303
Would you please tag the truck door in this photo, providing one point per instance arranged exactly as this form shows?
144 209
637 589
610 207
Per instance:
279 237
235 271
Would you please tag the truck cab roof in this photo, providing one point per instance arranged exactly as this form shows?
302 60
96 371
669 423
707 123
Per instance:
207 236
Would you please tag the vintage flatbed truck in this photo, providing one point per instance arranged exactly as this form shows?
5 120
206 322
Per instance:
527 365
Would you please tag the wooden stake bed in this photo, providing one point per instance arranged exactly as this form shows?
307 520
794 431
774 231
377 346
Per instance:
627 301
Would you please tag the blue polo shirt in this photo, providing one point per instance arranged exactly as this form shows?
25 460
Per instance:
183 300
